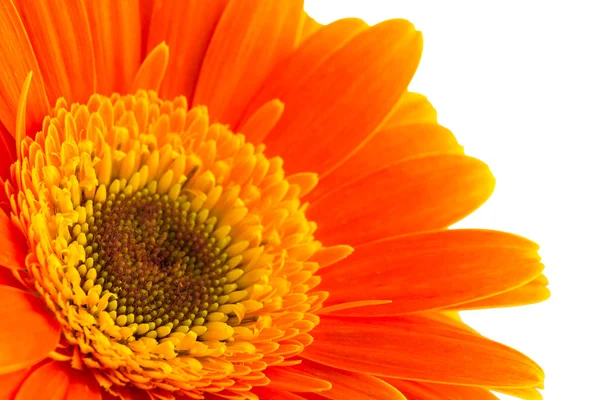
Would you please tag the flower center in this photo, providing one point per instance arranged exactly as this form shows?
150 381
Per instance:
174 254
158 259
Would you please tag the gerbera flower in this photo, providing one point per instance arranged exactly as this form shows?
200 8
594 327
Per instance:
225 199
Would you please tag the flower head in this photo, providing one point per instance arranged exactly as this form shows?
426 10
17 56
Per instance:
247 206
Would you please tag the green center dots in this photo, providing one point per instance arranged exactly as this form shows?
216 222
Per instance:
158 259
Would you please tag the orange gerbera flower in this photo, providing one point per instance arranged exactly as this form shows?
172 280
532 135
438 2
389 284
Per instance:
148 253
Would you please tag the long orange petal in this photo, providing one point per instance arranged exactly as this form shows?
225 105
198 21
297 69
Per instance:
289 379
431 271
433 391
350 385
387 147
58 381
309 27
176 23
152 71
411 129
251 37
404 348
284 79
116 32
336 108
62 41
418 194
530 293
30 332
413 108
17 59
14 245
10 383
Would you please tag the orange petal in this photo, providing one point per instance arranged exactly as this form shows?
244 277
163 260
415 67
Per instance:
530 293
350 385
58 381
334 109
82 385
14 245
62 41
17 59
449 319
431 271
404 348
304 61
176 23
288 379
29 330
116 34
413 108
251 37
309 27
270 393
433 391
418 194
386 148
263 120
152 71
48 379
10 383
7 278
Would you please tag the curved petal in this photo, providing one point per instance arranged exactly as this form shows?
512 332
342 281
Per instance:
386 148
431 271
288 379
82 385
305 60
14 245
17 59
349 385
433 391
530 293
413 108
411 129
418 194
176 23
30 332
251 37
49 379
152 71
309 27
62 41
116 34
418 349
334 109
8 279
10 383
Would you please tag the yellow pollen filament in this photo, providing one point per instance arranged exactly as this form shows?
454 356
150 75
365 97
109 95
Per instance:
174 254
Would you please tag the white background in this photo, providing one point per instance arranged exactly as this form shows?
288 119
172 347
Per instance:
518 82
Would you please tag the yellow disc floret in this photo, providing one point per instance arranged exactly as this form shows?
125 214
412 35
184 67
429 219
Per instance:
176 256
